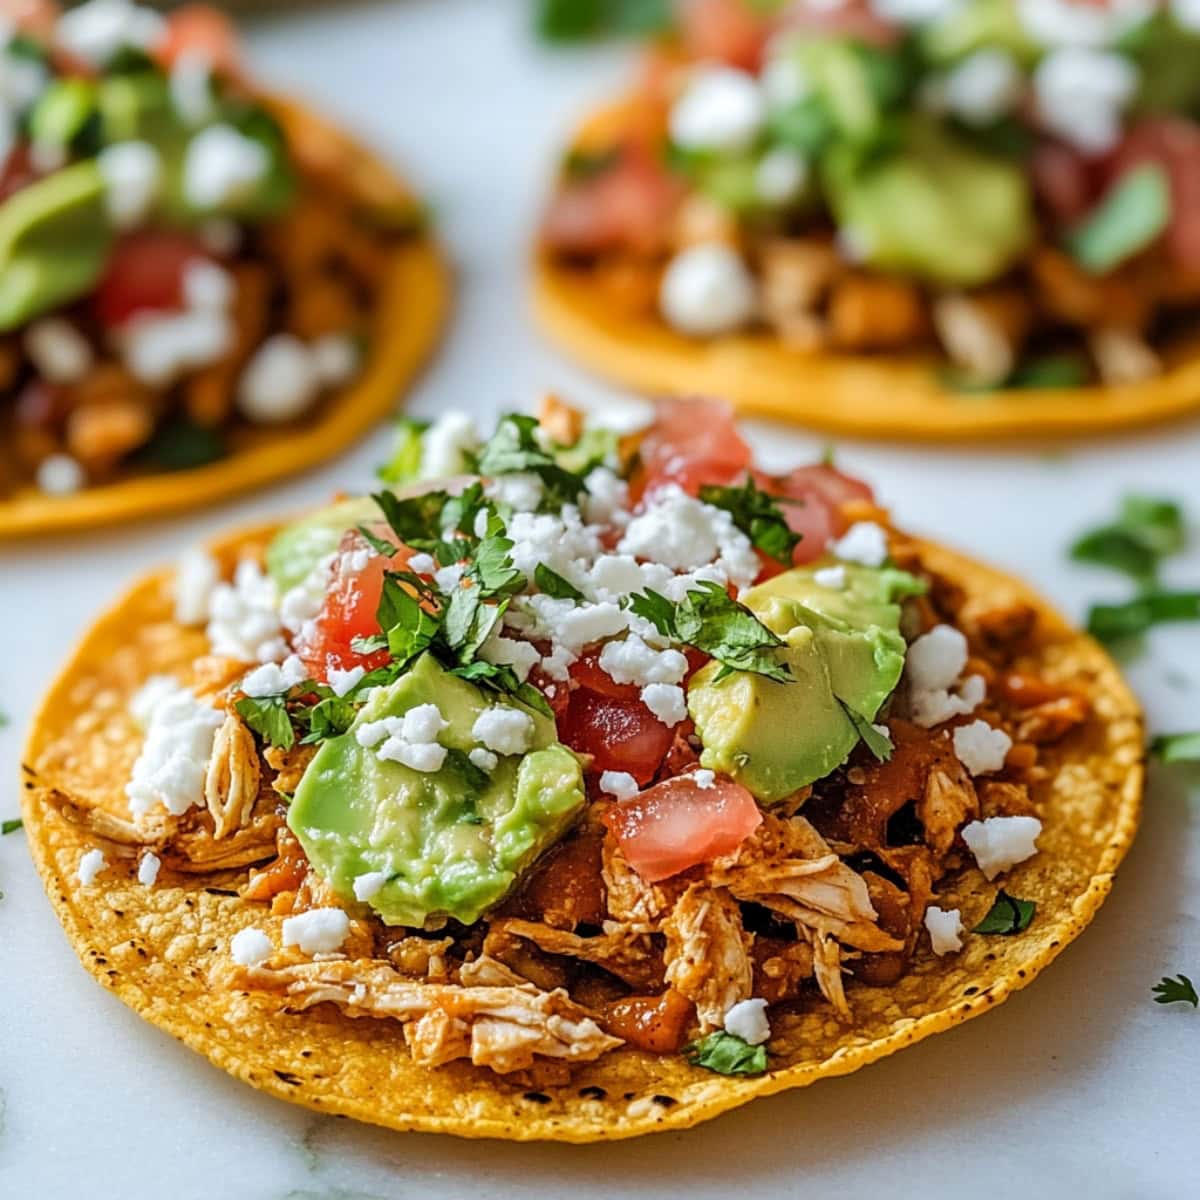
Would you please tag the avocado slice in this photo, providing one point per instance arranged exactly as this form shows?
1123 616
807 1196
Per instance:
54 241
452 842
846 655
297 548
937 209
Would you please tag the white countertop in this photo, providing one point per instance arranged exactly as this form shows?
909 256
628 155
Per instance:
1080 1085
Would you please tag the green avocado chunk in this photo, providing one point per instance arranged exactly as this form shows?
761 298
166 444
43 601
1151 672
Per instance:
936 209
54 240
297 548
451 842
846 654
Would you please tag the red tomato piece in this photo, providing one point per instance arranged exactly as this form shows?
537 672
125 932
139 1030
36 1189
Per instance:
1174 144
145 274
821 492
693 442
205 32
620 735
677 824
1063 181
725 30
588 674
349 612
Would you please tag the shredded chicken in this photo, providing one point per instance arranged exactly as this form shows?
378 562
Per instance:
486 971
421 957
621 950
289 765
631 900
708 953
231 782
1123 356
827 967
504 1028
1052 720
948 803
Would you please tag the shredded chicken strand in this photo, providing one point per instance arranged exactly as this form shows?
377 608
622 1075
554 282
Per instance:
948 803
623 951
232 779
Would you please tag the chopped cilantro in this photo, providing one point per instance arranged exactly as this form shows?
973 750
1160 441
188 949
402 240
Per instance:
514 448
1114 622
1007 916
11 825
411 519
408 628
492 567
1147 530
553 584
474 779
329 717
1175 991
268 717
1176 747
582 20
879 744
581 164
727 1054
758 515
502 678
378 544
405 464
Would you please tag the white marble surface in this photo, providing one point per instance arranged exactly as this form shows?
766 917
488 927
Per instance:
1079 1085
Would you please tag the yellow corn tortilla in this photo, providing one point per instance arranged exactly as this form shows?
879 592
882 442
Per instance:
407 320
155 947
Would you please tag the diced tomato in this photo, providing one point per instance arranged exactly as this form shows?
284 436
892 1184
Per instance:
145 274
853 19
1174 144
620 735
821 492
725 30
587 673
657 1024
1063 181
624 206
692 442
202 31
349 611
677 824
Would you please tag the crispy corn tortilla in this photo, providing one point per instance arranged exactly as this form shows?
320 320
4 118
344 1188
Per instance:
407 319
155 947
882 395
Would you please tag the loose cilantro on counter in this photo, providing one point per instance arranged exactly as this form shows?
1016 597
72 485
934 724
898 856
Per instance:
1146 531
11 825
758 515
1176 747
1175 991
1007 916
710 620
727 1054
1116 622
582 20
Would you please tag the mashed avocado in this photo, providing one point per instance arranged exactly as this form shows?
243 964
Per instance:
846 654
449 843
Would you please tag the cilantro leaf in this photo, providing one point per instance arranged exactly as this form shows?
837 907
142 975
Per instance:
409 629
1147 530
1175 991
474 778
656 609
378 544
499 677
459 512
413 518
329 717
405 464
580 20
492 567
727 1054
514 448
1176 747
1007 916
268 717
553 584
467 622
1113 622
11 826
879 744
758 515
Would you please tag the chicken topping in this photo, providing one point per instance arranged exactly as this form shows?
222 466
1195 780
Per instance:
621 950
231 783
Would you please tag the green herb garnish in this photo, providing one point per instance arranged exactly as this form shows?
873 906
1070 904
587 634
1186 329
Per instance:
879 744
1175 991
553 584
1176 747
582 20
1147 530
514 448
758 515
727 1054
11 825
268 717
1007 916
405 464
1115 622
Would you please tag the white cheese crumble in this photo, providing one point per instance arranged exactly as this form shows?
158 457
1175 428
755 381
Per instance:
830 577
280 382
222 166
704 778
159 347
522 491
984 87
945 929
1081 94
607 497
620 784
196 576
980 747
666 701
207 286
1001 842
318 931
97 30
781 176
132 174
932 667
335 358
864 542
58 350
707 290
485 760
190 85
502 651
148 869
422 564
445 445
747 1019
344 681
178 744
273 679
369 884
410 740
90 865
250 947
720 109
630 660
244 619
587 623
504 730
1070 23
60 475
